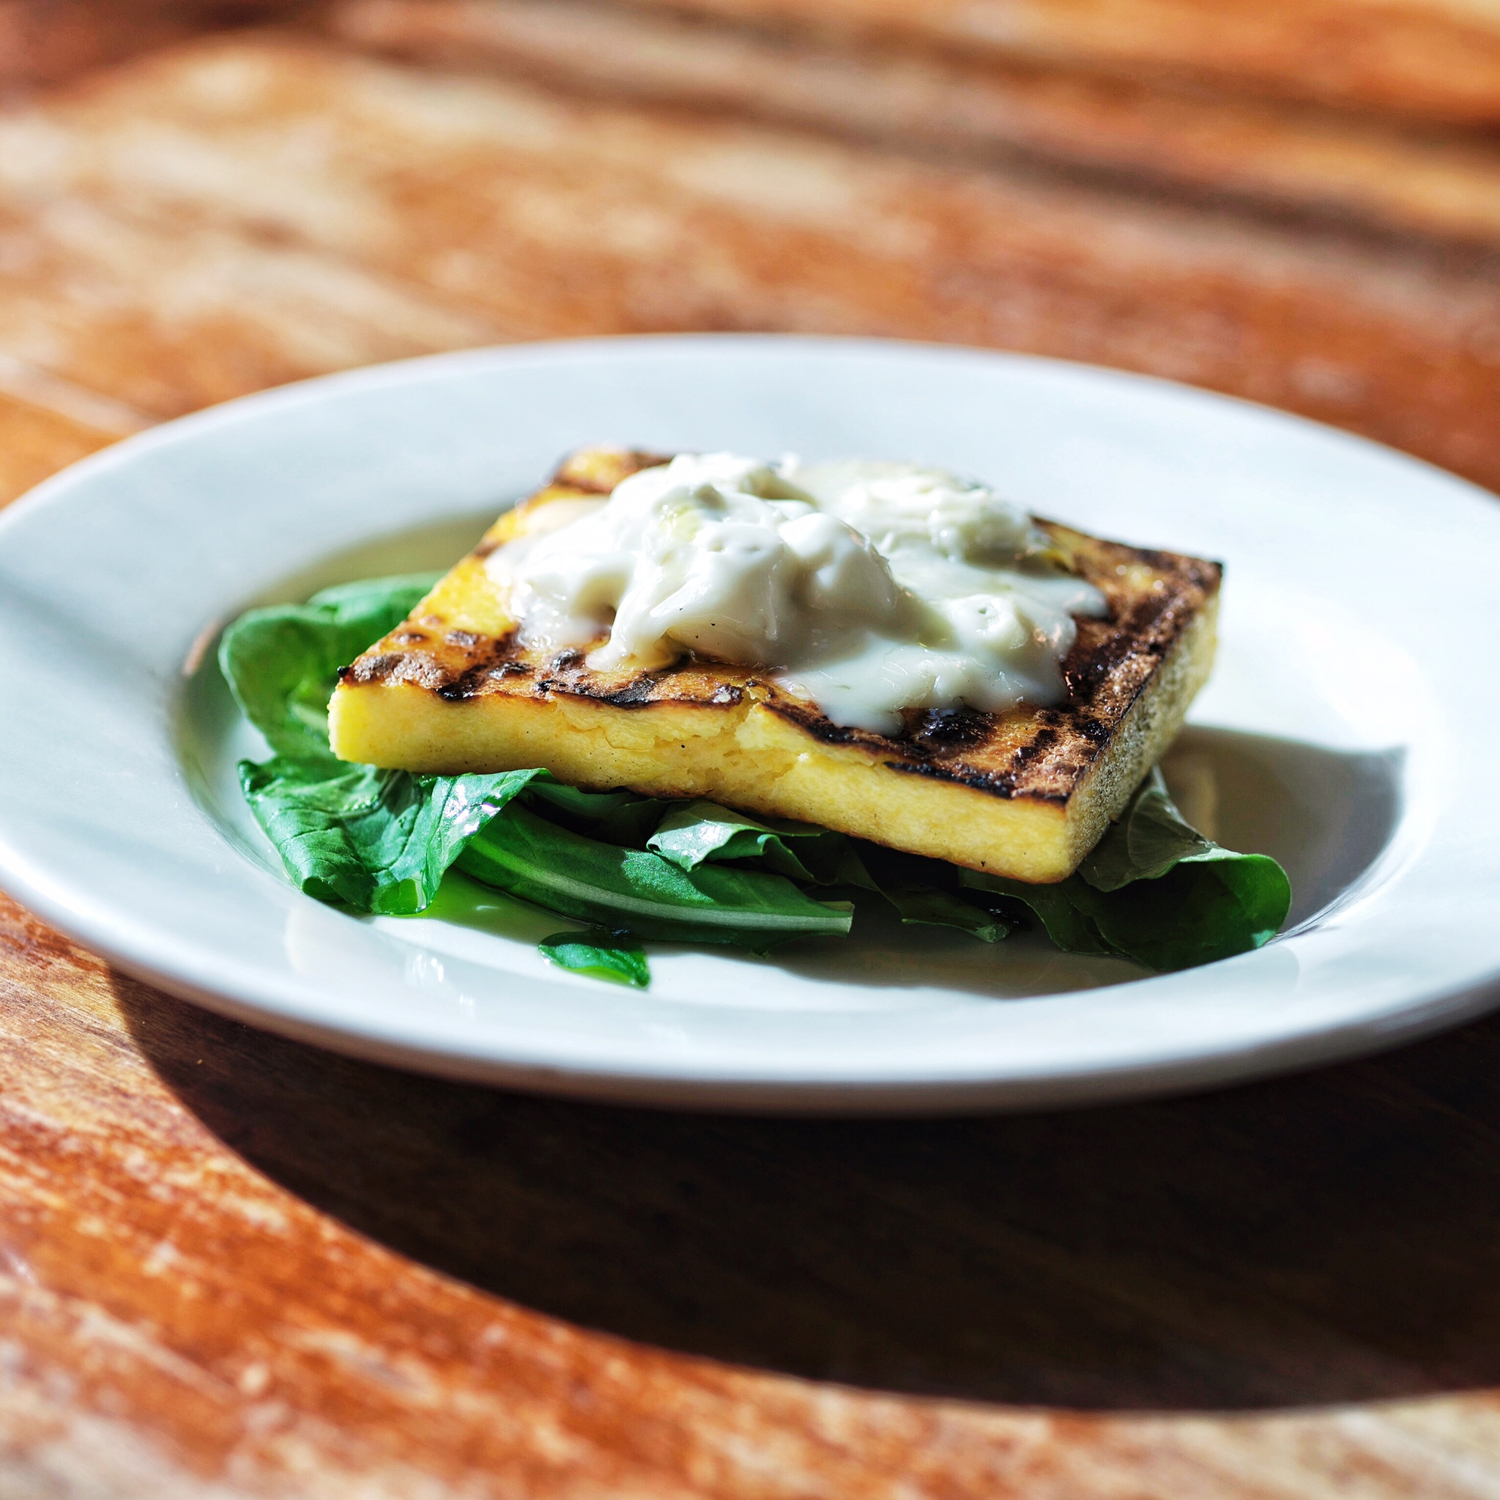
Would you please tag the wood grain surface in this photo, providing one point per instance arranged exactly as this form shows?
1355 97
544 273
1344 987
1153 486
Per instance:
1385 174
1435 58
233 1266
246 212
45 41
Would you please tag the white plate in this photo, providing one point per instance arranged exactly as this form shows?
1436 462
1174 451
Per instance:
1350 729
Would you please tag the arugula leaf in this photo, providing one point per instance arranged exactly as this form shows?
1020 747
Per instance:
1150 838
1155 890
926 891
281 662
698 832
599 953
527 856
376 840
618 817
693 833
931 906
1068 925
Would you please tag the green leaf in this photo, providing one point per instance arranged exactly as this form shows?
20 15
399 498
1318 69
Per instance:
619 817
1068 925
376 840
695 833
927 891
1150 838
1155 890
527 856
600 954
932 907
1197 912
282 662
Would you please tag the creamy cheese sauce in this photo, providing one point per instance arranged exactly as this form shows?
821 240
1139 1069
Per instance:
868 588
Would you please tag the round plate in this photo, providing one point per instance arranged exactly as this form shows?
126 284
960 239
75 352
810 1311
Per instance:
1349 728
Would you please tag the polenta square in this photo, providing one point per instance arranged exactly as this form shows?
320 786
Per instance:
1024 792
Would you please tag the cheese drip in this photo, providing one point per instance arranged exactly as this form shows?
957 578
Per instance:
869 588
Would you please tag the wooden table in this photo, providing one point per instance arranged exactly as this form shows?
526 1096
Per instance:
235 1266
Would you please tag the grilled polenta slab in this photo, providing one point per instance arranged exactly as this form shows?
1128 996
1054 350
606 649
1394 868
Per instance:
1025 793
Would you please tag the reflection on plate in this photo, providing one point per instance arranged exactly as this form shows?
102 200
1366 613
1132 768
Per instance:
1324 739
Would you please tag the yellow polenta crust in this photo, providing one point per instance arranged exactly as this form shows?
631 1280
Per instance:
1024 794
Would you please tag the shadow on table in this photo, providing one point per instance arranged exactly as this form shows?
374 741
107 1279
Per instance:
1323 1238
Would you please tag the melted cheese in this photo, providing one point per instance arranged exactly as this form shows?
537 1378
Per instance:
868 588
